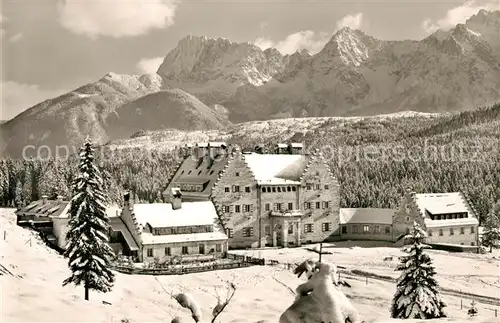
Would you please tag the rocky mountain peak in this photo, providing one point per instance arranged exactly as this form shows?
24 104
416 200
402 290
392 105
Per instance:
204 59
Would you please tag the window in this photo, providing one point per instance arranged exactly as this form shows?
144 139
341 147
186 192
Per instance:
318 205
325 227
366 228
451 232
267 207
201 249
230 233
236 188
247 208
440 232
290 229
472 243
269 190
344 229
227 209
307 205
185 250
387 229
267 230
150 252
354 229
317 187
430 233
274 189
167 251
278 206
218 247
237 174
290 206
247 189
308 187
327 187
462 231
237 208
376 229
288 188
294 189
471 230
248 232
263 190
308 228
279 189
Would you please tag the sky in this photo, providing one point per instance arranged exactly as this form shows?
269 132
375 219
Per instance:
50 47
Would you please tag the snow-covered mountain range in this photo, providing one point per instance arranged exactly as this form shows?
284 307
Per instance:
218 82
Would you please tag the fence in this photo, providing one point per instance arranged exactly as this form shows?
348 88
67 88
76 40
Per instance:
236 261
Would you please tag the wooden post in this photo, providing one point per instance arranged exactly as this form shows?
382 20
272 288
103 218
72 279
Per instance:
461 305
4 234
496 311
320 250
366 280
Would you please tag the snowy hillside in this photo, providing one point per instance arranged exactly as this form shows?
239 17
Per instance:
32 274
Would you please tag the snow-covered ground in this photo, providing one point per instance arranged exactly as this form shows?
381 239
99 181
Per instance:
33 293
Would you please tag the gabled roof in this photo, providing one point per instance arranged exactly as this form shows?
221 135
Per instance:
118 225
276 168
445 203
366 215
161 215
49 208
442 203
198 171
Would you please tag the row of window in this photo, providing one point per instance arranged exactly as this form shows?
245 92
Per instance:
183 230
199 172
366 229
449 216
191 187
308 228
184 250
452 231
276 206
274 189
236 189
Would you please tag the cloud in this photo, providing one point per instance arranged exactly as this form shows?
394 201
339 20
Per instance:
351 21
17 97
116 18
308 39
150 65
16 37
457 15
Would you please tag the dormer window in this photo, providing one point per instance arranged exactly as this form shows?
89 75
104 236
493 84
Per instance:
237 174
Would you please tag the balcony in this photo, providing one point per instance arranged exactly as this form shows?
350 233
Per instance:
286 214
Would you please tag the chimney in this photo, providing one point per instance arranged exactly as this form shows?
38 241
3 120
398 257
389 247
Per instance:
176 198
44 199
126 199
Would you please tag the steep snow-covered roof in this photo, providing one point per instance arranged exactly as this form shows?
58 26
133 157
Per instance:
445 203
47 208
442 203
366 215
161 215
276 168
118 225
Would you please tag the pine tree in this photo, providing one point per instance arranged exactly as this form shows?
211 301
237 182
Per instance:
491 233
417 294
88 250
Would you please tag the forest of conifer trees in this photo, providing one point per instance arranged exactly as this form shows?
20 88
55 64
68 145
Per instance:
375 161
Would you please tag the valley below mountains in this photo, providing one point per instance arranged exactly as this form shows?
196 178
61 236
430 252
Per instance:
213 84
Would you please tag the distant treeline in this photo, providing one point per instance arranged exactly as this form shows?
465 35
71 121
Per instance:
375 162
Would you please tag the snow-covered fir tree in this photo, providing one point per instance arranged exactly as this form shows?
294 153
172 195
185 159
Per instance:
417 294
88 250
491 233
